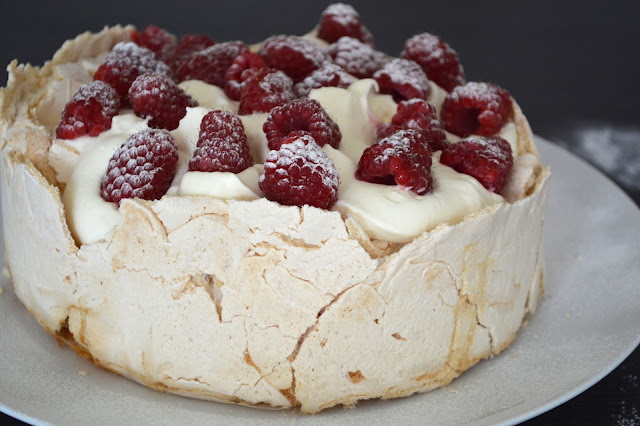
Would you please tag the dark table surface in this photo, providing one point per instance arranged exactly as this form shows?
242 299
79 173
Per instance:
572 66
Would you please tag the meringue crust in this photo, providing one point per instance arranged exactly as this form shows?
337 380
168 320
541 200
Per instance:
256 303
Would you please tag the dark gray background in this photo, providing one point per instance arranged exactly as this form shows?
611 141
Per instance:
572 66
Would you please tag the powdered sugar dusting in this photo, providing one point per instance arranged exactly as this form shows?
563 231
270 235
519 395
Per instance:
299 173
306 151
296 56
222 144
158 98
131 55
142 167
401 158
615 150
102 92
306 115
357 58
487 159
241 69
628 416
210 64
438 60
275 84
339 20
265 90
89 111
340 9
403 79
329 75
124 63
476 108
343 14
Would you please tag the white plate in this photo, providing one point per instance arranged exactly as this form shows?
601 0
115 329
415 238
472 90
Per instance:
587 323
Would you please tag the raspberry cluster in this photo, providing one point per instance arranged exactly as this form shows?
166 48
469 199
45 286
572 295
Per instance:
476 108
300 173
143 167
402 158
302 115
275 79
125 63
89 112
222 145
157 98
417 114
487 159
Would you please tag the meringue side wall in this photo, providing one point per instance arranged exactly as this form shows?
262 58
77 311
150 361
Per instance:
253 302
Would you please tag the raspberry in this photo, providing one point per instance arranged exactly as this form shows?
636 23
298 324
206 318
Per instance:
302 114
489 160
417 114
265 90
476 109
356 58
300 173
329 75
437 59
295 56
159 41
403 80
143 167
242 68
222 145
189 44
89 111
402 158
340 20
125 63
158 98
210 64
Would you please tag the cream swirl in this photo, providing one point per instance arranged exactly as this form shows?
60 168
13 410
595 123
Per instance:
387 213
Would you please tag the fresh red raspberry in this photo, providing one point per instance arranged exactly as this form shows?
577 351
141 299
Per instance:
329 75
402 158
158 98
476 109
417 114
265 90
295 56
156 39
125 63
302 114
437 59
403 80
222 145
358 59
300 173
210 64
89 112
242 68
143 167
340 20
487 159
189 44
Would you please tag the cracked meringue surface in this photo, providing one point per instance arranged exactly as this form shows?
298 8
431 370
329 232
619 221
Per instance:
253 302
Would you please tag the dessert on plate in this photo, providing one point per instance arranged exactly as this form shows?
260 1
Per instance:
304 222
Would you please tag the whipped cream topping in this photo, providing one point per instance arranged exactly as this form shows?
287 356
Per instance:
349 109
389 213
89 216
208 95
395 214
223 185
